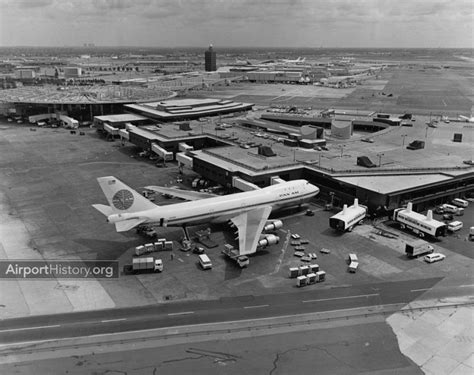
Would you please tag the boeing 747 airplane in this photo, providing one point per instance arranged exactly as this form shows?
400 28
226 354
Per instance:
248 211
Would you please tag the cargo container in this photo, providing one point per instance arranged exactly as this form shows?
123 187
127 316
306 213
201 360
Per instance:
294 272
320 276
311 278
314 268
304 270
301 281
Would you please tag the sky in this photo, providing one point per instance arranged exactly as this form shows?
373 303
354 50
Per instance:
238 23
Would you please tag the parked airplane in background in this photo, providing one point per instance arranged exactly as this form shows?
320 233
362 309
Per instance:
299 60
249 211
467 119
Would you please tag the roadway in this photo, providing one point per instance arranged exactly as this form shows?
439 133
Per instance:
307 300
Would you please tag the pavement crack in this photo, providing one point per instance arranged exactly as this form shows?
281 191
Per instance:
280 354
183 359
304 349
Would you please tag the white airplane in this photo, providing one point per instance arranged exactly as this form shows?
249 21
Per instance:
467 119
248 211
299 60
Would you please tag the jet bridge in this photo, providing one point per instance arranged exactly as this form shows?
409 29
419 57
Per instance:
243 185
165 155
184 160
276 180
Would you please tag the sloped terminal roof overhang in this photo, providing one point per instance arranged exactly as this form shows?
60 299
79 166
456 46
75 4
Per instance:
187 108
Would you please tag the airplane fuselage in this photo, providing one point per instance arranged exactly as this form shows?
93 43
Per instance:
223 208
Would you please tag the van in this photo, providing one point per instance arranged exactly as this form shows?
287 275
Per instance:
454 226
205 262
449 208
460 202
352 258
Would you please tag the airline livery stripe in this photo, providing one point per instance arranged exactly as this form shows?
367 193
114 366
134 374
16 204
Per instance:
237 209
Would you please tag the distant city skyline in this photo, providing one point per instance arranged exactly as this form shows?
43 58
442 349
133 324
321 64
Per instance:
238 23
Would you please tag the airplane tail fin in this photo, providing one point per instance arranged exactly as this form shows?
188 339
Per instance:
121 198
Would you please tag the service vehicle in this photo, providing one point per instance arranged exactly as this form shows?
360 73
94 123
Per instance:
205 262
416 249
232 253
140 265
471 233
418 223
435 257
450 209
348 217
455 226
447 217
460 202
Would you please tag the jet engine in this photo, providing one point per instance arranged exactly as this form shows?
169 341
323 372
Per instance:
269 239
273 225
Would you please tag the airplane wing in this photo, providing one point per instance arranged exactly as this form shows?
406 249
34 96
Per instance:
250 225
189 195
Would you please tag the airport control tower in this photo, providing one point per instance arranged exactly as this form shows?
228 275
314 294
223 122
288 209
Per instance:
210 60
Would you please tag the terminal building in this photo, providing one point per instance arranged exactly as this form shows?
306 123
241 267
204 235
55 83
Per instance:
186 109
224 159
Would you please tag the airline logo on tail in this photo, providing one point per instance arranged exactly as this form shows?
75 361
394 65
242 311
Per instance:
123 199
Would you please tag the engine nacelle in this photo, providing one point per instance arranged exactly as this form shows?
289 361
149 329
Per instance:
269 239
273 225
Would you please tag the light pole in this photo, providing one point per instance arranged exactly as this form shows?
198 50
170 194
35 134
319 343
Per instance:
426 132
342 149
403 136
380 158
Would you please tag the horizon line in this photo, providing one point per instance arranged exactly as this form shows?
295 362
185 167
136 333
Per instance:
250 47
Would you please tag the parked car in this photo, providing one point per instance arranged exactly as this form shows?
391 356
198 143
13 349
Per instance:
448 217
435 257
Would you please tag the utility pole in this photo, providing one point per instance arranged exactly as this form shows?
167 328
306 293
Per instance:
403 137
380 158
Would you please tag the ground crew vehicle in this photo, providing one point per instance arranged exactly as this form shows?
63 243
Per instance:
205 262
416 249
242 260
147 264
435 257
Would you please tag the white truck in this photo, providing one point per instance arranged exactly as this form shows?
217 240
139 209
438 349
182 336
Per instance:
148 264
416 249
242 260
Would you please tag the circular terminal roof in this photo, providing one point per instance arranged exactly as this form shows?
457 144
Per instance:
52 94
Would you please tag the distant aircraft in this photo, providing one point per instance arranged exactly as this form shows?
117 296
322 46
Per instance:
467 119
299 60
248 211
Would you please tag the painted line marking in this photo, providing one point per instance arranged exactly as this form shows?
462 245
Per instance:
466 286
182 313
255 307
420 290
336 298
29 328
113 320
